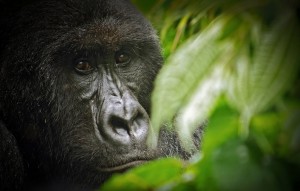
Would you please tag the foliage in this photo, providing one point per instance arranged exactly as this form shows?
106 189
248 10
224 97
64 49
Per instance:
235 63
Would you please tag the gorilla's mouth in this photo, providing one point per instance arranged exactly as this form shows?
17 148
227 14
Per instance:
123 167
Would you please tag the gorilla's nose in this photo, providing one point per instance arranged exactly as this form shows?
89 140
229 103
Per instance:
126 120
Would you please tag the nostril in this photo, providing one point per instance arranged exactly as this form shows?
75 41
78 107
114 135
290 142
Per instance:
119 125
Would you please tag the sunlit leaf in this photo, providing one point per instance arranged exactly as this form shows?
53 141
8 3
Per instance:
184 71
200 105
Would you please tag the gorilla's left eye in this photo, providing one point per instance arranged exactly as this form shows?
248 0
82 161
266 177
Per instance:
122 58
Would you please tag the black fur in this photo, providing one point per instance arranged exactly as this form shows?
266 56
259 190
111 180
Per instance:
48 111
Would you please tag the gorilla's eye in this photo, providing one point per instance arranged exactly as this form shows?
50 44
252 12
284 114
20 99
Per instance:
83 66
122 58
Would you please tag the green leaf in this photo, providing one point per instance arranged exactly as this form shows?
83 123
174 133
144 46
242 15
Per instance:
146 177
276 62
257 83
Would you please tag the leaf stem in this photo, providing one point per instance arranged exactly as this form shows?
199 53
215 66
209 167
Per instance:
245 119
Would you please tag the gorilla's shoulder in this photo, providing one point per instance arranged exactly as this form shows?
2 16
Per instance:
11 164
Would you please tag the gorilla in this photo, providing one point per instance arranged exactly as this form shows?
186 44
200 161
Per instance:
75 84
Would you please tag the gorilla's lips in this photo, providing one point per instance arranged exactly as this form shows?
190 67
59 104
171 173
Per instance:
123 167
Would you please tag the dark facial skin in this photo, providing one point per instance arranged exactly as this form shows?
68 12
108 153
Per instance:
76 79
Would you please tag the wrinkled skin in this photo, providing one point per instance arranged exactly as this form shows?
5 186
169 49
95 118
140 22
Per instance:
76 79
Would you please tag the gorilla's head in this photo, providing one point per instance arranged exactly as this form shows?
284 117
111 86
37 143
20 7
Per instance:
76 79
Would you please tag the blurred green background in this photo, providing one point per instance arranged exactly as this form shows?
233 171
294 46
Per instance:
236 64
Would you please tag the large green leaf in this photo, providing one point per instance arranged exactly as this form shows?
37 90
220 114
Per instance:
183 72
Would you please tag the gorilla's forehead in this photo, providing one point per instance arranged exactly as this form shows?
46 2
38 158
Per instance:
118 22
112 33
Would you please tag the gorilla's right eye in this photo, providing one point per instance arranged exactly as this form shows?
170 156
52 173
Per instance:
83 66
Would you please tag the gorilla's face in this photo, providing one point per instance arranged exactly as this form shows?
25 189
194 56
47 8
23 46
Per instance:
107 68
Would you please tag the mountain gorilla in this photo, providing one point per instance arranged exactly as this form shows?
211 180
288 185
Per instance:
75 82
